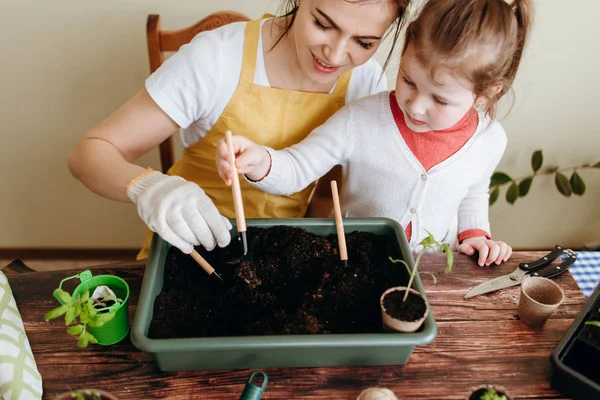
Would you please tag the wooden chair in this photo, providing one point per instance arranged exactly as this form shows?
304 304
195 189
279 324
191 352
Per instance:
16 266
160 42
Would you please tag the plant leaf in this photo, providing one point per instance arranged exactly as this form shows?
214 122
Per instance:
449 257
56 312
537 158
429 241
70 314
512 194
101 319
524 186
494 195
75 330
83 340
85 296
92 312
91 338
84 316
594 323
64 297
108 298
577 184
499 178
562 184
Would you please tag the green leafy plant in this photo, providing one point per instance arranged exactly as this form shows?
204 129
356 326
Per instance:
83 394
82 313
520 187
491 394
86 395
429 243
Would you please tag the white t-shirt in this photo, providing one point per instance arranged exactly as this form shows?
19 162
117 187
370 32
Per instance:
195 85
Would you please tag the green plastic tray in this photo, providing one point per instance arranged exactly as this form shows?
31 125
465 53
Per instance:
278 350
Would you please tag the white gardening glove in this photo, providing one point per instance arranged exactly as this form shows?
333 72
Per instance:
179 211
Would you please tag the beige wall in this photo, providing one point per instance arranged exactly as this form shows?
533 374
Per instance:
67 64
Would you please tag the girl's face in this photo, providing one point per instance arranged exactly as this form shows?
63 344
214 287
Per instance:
331 37
430 105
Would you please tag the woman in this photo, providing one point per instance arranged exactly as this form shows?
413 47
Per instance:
272 80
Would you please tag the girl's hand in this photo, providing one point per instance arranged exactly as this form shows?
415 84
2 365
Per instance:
250 159
490 251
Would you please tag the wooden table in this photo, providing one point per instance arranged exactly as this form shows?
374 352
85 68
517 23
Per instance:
480 340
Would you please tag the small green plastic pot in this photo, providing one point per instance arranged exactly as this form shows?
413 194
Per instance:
117 328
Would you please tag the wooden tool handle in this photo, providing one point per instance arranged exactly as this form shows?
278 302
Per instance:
202 262
240 218
339 223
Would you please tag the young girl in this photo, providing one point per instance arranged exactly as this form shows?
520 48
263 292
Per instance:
423 154
278 78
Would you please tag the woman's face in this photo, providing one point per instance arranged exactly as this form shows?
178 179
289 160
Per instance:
331 37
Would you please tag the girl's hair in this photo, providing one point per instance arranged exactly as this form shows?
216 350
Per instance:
480 40
290 7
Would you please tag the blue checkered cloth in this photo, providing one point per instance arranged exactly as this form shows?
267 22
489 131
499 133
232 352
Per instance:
586 271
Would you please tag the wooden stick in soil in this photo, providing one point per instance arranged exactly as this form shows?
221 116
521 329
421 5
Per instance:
238 205
205 265
339 224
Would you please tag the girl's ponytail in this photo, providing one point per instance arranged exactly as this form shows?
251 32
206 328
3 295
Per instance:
523 10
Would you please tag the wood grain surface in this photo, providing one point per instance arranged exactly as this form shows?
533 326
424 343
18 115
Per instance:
480 341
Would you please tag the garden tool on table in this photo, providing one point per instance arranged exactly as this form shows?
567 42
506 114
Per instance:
339 225
238 205
541 267
251 391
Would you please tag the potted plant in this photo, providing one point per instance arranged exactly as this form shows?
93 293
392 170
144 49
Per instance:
86 394
574 359
403 308
519 187
96 312
487 392
303 307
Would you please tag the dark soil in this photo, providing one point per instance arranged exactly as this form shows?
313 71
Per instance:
591 333
410 310
292 283
583 358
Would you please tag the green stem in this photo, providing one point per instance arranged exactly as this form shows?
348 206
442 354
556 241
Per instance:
549 172
412 276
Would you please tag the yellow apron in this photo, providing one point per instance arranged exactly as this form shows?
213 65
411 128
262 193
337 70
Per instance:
272 117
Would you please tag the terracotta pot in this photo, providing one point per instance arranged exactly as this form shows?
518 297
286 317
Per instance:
393 324
88 394
479 391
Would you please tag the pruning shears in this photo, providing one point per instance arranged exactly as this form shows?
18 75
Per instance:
539 267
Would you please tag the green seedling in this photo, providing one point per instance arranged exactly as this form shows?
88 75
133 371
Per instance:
429 243
86 395
594 323
82 313
491 394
